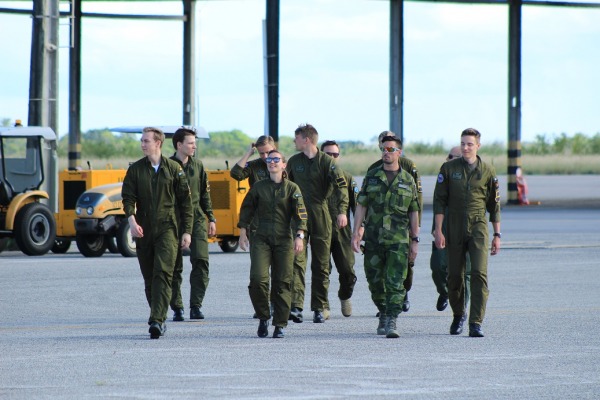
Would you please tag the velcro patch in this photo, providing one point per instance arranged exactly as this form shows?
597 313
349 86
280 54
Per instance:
341 182
440 178
302 213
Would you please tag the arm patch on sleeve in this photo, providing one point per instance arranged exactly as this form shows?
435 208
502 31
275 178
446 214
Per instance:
341 182
302 213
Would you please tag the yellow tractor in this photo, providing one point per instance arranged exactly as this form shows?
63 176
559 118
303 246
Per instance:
27 181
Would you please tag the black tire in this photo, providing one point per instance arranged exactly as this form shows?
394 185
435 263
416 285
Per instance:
91 245
61 246
229 244
125 241
111 244
35 229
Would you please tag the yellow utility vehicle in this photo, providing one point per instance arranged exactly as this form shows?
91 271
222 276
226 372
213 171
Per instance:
27 182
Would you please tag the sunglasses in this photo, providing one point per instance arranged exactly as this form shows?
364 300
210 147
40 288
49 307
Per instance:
334 155
390 149
275 160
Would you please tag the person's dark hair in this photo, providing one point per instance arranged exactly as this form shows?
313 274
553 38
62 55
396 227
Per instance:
308 131
393 139
329 143
471 132
180 135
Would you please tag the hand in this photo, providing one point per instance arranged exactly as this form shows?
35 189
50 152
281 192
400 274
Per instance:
212 229
135 229
495 246
298 245
252 149
244 243
413 250
440 240
342 220
186 240
356 238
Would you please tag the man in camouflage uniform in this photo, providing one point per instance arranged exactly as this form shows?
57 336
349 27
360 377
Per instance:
341 246
184 141
407 165
466 187
318 178
388 199
152 188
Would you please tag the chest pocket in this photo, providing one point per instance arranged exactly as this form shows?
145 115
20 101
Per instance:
400 196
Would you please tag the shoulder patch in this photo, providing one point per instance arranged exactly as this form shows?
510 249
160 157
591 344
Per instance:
297 195
440 178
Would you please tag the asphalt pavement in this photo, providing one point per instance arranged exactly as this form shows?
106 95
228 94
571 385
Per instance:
75 328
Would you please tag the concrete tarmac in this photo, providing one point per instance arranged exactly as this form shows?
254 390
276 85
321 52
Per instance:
76 328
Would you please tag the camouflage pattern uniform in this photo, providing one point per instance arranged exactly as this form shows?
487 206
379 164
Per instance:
152 197
341 241
466 194
318 178
408 165
273 206
202 205
387 236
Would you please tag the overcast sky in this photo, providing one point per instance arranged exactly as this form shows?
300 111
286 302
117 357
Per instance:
334 68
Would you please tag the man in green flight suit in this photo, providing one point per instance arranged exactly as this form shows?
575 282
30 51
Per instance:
341 246
184 142
466 187
439 259
318 177
409 166
388 200
152 189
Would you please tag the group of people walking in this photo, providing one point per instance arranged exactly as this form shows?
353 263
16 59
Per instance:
304 201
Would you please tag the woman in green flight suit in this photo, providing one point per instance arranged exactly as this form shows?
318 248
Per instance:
273 204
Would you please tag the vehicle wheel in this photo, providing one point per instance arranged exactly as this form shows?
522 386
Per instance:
35 229
125 241
111 244
61 246
91 245
229 244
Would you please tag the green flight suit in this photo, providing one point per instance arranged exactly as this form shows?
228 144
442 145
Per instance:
341 241
255 170
202 205
157 199
387 242
439 268
318 178
466 194
274 207
408 165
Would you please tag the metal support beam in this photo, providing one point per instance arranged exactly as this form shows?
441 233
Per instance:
514 98
43 80
272 60
75 86
397 67
189 57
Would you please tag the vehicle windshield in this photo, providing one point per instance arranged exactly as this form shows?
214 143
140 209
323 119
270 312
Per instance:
21 161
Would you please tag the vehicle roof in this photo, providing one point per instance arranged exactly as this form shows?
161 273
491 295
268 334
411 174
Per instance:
28 131
169 130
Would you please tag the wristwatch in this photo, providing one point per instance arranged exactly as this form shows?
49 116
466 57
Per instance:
300 235
498 234
415 239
